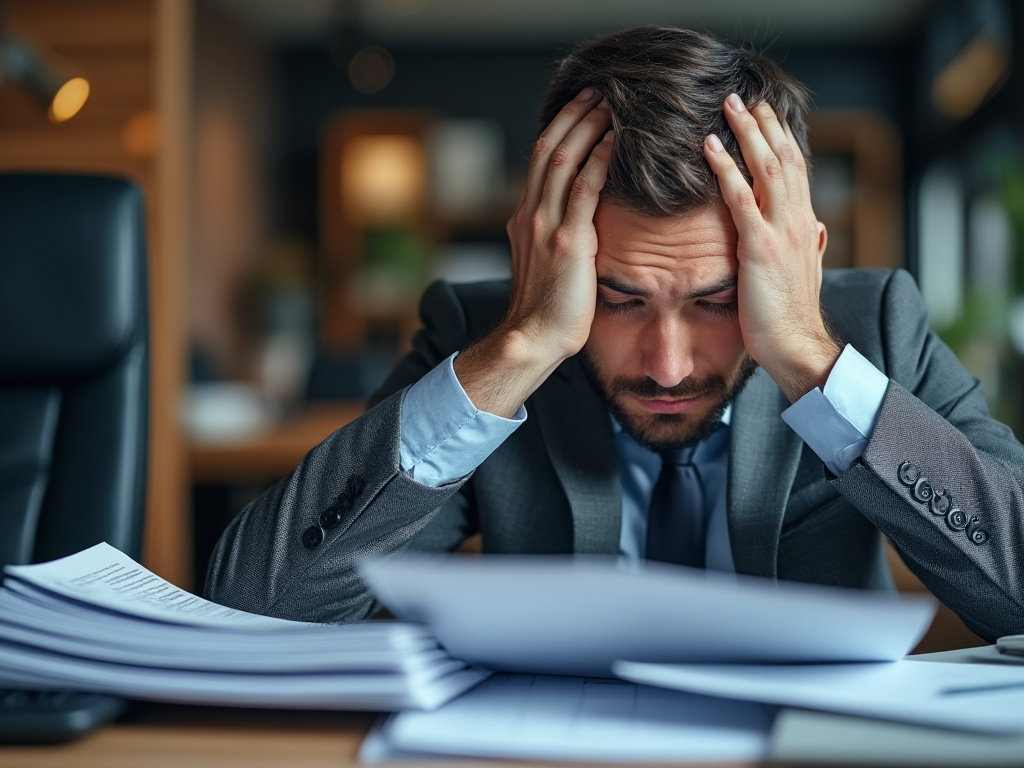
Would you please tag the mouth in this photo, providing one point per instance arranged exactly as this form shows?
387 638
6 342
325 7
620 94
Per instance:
669 405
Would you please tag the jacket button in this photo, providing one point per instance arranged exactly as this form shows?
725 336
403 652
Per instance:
957 519
940 503
923 490
344 501
908 473
312 537
976 533
330 517
355 486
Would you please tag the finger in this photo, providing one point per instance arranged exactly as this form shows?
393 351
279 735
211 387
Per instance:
764 166
550 138
799 162
568 157
586 188
783 144
736 193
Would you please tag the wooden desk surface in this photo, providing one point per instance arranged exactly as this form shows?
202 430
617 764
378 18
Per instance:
169 736
159 736
273 453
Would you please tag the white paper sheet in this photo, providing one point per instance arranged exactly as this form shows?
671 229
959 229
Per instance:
576 718
576 616
367 647
969 697
373 691
105 576
98 621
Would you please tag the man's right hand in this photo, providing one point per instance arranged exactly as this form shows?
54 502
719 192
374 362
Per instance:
554 279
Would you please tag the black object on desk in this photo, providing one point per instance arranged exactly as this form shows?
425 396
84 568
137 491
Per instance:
74 396
49 717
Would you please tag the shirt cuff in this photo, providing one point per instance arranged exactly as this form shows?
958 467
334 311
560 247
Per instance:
445 436
837 423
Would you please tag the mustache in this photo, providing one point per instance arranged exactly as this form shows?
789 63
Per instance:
647 388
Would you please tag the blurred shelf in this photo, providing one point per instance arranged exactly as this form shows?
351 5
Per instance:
273 453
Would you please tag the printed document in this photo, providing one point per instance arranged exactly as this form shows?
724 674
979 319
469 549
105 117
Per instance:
99 621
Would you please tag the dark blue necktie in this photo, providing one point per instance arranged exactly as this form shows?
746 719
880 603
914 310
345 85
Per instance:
675 521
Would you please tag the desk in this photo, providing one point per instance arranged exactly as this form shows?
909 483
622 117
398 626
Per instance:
166 736
159 736
169 736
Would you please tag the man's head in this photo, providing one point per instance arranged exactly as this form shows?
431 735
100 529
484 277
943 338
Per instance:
665 88
665 346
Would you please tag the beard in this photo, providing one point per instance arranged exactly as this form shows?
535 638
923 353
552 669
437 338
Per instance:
668 431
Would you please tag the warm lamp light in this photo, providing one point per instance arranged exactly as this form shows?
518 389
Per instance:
21 63
69 100
383 179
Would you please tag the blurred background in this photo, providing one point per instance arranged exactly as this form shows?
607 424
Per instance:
309 166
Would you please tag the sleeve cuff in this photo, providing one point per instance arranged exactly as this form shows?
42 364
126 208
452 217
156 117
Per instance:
444 436
836 424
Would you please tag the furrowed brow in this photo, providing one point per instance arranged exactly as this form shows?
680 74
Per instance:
722 285
619 287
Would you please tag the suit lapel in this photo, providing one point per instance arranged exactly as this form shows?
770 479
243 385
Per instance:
574 421
763 457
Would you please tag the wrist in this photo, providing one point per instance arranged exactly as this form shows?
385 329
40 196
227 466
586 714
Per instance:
499 372
807 368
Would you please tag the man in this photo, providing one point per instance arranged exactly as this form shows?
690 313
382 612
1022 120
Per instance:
666 262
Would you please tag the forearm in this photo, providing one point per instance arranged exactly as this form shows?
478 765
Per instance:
292 552
978 576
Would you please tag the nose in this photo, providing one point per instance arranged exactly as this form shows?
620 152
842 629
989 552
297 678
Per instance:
667 351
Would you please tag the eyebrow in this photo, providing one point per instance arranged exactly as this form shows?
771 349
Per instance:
631 290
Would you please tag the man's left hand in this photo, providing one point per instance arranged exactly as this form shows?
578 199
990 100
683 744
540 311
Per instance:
780 247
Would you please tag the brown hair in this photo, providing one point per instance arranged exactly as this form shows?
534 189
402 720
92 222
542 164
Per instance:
666 88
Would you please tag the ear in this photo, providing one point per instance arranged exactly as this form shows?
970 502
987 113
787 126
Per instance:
822 240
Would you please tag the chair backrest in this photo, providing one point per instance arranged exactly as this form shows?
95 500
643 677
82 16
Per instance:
74 365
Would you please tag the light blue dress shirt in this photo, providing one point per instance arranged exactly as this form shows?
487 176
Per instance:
445 437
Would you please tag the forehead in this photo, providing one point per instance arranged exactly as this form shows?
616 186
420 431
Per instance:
694 247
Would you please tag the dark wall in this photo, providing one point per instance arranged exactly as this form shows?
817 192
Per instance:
506 85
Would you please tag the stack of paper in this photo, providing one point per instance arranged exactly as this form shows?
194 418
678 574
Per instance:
774 644
549 717
99 621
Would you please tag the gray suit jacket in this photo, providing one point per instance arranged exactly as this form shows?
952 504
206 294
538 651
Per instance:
553 486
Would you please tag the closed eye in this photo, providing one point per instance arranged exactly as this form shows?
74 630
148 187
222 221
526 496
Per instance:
621 306
718 308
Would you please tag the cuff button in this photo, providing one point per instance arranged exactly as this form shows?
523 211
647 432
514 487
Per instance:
330 517
908 473
976 533
923 490
355 486
957 519
312 537
941 503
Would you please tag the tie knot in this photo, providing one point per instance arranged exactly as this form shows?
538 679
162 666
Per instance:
678 457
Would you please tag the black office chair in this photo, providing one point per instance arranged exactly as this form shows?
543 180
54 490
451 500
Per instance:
74 368
74 396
